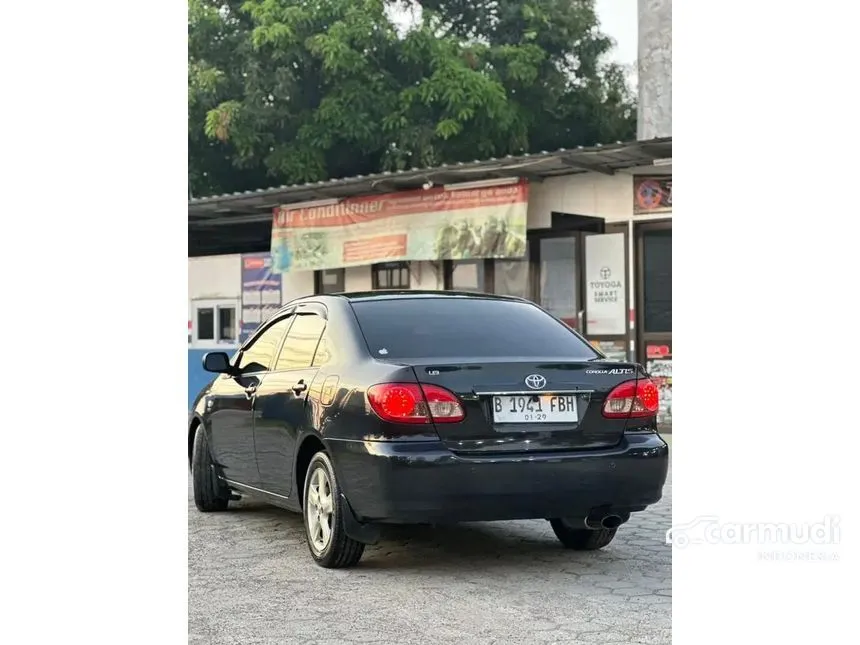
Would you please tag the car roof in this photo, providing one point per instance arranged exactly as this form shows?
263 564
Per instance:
413 294
395 294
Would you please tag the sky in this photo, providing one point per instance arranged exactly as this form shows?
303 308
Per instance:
618 19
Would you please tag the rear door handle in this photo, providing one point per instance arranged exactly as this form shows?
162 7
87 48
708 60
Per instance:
300 387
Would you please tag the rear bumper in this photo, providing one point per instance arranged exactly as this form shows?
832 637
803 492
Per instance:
424 482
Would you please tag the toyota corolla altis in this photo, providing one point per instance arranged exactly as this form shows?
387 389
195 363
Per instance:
364 409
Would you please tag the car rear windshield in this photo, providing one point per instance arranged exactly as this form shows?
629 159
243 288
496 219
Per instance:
470 328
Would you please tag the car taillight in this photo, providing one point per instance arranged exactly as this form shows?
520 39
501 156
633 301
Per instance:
632 399
414 403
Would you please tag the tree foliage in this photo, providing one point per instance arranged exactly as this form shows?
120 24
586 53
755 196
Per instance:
284 91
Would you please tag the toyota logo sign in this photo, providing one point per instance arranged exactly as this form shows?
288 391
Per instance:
535 381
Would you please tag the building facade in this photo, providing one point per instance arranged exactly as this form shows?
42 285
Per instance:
597 253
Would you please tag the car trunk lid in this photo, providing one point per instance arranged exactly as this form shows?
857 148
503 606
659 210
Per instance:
529 405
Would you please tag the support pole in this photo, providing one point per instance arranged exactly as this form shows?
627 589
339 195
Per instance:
631 293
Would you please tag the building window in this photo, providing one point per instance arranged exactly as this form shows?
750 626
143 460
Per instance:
391 275
330 281
511 277
214 322
468 275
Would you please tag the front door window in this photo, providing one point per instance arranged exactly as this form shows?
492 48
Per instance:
259 356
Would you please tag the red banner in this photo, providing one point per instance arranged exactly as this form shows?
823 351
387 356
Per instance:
434 224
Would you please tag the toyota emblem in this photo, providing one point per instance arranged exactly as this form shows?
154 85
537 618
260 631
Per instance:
535 381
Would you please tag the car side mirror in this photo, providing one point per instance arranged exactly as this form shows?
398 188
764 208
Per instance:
217 362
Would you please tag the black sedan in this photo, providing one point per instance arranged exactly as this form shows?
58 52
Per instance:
365 409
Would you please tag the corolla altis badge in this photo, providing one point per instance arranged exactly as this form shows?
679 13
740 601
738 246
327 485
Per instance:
615 370
535 381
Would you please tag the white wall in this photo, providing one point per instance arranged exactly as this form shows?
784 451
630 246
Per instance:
426 275
357 279
297 284
214 277
217 276
590 194
220 276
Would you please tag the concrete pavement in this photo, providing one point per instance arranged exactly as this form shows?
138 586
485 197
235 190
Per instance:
252 581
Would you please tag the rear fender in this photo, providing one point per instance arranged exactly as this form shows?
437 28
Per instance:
357 530
352 418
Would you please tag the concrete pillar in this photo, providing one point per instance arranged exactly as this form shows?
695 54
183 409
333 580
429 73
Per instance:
655 69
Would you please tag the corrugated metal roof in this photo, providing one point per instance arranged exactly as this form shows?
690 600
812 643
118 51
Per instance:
606 159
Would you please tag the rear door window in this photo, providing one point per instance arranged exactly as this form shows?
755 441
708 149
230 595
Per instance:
301 344
475 328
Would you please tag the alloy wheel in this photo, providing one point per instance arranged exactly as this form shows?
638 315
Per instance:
320 509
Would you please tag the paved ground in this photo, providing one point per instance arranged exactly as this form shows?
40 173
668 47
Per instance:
251 580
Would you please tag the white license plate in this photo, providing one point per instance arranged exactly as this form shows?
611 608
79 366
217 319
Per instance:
536 408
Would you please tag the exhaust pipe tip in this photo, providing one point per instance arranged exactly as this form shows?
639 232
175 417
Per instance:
611 522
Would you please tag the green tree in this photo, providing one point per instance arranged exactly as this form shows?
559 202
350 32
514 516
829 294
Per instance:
290 91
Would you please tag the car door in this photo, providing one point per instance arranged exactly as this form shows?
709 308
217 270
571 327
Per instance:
281 411
231 402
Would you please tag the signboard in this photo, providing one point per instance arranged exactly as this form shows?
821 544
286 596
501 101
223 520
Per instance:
652 195
605 308
615 350
434 224
659 368
261 292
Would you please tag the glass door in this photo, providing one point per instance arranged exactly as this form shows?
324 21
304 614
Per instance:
654 250
468 275
559 278
511 277
605 292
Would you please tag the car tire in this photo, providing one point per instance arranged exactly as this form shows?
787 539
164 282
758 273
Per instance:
328 542
581 539
210 494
